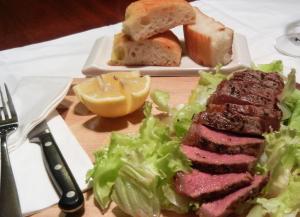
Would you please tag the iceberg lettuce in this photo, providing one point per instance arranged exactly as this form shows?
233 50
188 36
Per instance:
181 117
274 66
135 171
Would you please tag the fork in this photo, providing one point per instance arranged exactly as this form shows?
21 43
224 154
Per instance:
9 200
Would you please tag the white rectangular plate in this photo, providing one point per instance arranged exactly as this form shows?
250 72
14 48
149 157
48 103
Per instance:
97 61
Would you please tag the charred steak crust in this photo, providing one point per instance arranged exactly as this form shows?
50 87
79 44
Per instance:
215 163
222 142
225 141
207 187
225 206
268 80
244 93
268 114
245 104
237 123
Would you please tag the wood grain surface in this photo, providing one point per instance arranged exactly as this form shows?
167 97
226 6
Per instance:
93 132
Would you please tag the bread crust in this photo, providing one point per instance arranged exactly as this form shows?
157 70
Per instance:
162 49
208 42
146 18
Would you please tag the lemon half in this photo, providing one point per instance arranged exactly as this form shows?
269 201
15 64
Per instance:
114 94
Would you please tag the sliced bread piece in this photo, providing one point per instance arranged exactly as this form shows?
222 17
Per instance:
160 50
146 18
208 42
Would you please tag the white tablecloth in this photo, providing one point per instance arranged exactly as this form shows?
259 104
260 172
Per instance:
261 21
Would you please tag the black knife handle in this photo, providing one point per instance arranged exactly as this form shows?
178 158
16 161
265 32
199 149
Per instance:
71 197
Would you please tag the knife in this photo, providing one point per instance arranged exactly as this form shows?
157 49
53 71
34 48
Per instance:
71 197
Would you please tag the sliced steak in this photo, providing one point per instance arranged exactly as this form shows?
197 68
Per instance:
271 115
222 142
268 80
205 187
212 162
225 206
243 93
236 123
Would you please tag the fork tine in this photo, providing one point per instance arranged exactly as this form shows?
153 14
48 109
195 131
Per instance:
3 105
10 104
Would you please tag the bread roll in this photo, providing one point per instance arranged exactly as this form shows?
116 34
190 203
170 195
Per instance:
208 42
146 18
160 50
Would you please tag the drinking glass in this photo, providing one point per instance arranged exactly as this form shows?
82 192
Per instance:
289 43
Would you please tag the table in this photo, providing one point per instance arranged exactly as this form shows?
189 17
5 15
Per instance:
260 21
28 22
93 132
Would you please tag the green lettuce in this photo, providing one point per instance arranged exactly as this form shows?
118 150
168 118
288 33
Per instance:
161 99
281 196
275 66
286 204
135 171
294 121
282 150
181 116
207 84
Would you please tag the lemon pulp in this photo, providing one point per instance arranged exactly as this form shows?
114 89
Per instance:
114 94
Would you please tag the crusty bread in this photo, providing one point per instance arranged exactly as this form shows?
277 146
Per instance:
208 42
146 18
160 50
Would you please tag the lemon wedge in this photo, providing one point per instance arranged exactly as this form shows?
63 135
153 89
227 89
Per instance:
114 94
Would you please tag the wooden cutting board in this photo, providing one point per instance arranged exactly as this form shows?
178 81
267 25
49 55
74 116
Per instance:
93 133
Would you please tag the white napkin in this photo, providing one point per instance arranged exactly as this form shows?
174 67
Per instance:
34 98
36 192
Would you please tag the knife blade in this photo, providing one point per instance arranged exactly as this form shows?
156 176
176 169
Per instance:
71 197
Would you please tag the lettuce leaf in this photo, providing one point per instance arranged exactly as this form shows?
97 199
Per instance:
161 99
282 163
290 100
286 204
181 117
135 171
207 84
281 150
294 121
274 66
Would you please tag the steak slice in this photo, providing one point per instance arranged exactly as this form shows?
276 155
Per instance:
222 142
271 114
206 187
247 99
237 88
225 206
243 93
268 118
269 80
235 123
212 162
